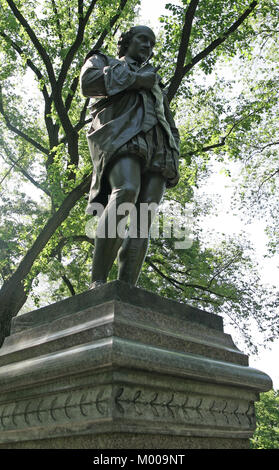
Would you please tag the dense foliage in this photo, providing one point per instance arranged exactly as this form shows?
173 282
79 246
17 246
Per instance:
267 415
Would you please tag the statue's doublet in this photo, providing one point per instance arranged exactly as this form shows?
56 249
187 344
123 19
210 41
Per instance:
119 115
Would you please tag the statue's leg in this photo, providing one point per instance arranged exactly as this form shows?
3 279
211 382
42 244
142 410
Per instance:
132 253
125 179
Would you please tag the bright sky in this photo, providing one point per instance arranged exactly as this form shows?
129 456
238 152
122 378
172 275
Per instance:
267 358
151 10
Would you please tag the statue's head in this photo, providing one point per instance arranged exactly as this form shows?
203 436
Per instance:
137 43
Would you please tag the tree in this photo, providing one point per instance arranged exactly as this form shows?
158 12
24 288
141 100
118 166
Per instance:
52 43
46 144
253 146
267 416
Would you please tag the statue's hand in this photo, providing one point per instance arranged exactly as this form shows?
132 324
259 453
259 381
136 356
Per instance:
145 80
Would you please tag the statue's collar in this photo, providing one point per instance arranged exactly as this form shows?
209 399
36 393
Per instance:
130 61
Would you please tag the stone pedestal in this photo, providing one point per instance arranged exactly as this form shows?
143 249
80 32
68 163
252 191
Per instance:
119 367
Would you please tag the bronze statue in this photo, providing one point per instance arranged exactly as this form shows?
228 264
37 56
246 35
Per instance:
133 142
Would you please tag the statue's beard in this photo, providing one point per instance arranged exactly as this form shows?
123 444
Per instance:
142 57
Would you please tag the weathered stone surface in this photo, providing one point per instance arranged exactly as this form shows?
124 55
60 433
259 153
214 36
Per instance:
120 367
116 290
131 441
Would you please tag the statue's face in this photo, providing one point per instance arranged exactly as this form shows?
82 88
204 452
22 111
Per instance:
141 44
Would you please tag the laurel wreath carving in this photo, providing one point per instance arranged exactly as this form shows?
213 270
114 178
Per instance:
158 405
192 408
55 408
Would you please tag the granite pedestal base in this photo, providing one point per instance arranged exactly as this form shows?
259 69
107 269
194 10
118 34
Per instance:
119 367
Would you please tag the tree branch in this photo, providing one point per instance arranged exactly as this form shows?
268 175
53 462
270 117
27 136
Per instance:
69 285
77 128
89 11
29 62
177 284
65 240
98 44
268 178
207 301
24 172
269 145
82 119
77 42
55 11
56 87
49 229
31 179
10 169
71 94
62 109
183 47
81 124
39 47
178 271
207 148
52 128
210 291
112 22
201 55
17 131
223 268
168 278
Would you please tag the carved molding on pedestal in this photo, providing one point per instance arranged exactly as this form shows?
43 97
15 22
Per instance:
128 403
54 409
119 365
190 409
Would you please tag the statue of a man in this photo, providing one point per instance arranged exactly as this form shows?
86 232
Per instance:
134 145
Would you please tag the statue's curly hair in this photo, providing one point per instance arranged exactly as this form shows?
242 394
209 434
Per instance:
122 44
125 40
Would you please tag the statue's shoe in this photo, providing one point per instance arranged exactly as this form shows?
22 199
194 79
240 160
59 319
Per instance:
96 284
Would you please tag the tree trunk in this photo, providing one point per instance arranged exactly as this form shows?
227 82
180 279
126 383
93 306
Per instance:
12 294
12 297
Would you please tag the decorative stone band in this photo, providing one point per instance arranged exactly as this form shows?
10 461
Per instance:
117 405
83 372
129 403
194 409
54 409
117 352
